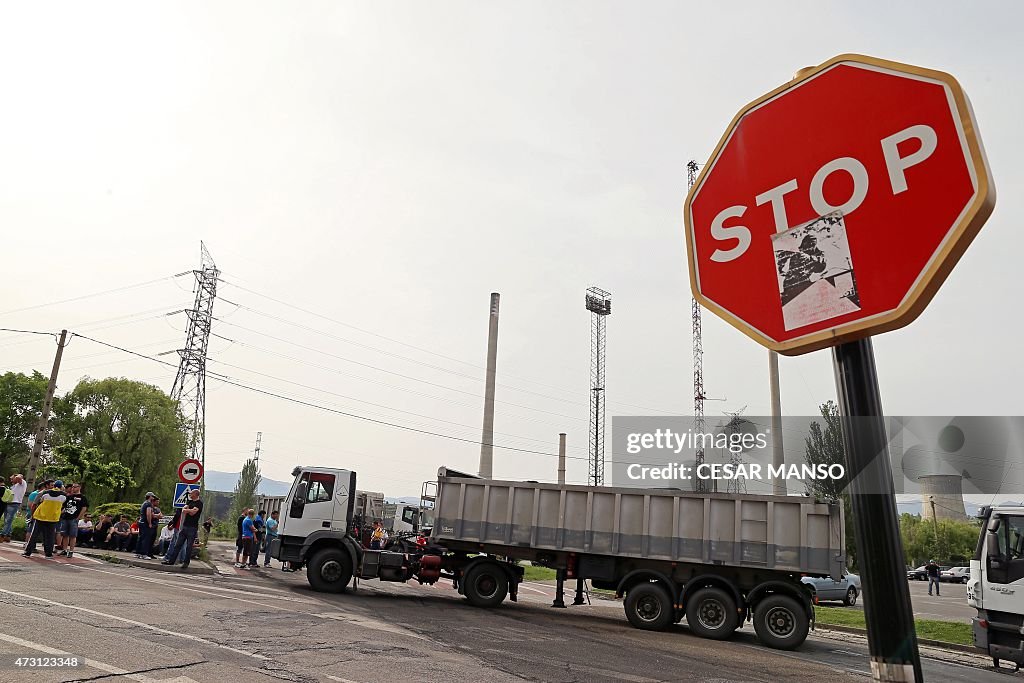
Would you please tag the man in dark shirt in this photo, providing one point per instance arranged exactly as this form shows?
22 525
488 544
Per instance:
75 506
932 570
188 527
148 520
101 531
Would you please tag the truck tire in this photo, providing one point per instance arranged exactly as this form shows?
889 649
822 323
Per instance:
485 585
711 613
329 570
851 597
649 607
780 622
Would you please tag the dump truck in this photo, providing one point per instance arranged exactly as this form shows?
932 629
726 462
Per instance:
715 559
995 587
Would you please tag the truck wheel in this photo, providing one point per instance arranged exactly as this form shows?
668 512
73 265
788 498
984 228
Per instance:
711 613
780 622
851 597
486 585
329 571
649 606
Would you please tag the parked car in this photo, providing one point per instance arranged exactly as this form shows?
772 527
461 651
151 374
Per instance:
846 589
918 574
921 573
956 575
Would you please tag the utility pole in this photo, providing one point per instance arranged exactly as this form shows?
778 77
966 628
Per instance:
487 437
778 454
259 438
44 417
561 459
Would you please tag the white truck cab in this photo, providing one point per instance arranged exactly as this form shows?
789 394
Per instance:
996 584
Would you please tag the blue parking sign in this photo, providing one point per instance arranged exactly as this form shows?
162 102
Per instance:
181 493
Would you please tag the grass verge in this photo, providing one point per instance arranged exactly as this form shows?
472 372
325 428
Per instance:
932 629
534 573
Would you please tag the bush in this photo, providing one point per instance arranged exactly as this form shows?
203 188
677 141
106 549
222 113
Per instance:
115 510
18 529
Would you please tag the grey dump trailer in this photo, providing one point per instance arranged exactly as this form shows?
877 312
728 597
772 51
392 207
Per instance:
717 560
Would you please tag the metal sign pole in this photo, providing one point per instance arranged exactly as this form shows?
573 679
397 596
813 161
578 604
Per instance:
892 640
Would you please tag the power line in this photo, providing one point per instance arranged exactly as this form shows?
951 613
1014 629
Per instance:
370 403
412 346
7 329
225 379
94 294
373 367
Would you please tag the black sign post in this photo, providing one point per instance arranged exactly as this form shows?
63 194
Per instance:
892 640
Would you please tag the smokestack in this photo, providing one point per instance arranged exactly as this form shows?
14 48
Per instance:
487 439
778 453
561 459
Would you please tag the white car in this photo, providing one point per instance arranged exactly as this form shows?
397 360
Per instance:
956 575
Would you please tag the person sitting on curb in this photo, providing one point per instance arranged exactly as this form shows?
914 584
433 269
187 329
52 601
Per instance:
120 537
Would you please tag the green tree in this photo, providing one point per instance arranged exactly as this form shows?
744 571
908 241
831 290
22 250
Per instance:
86 465
21 403
128 422
825 447
925 539
246 489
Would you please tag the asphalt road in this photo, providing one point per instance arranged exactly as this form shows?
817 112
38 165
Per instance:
950 606
136 624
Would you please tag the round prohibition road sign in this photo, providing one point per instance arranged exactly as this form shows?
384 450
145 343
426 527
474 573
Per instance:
190 471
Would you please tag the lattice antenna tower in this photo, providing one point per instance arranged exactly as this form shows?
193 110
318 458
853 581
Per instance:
190 384
698 358
599 303
735 484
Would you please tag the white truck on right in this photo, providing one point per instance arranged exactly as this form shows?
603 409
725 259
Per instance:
996 584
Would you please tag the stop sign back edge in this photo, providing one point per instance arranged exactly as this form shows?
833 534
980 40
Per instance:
199 471
944 259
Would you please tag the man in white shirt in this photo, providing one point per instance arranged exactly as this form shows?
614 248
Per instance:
17 488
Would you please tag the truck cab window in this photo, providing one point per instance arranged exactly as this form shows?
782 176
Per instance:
1011 550
321 488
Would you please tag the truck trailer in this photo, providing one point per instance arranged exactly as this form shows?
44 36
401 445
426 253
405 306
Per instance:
717 560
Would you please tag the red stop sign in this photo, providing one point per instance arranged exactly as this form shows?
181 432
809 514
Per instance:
834 206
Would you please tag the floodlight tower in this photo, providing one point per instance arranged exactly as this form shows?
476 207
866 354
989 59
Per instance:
599 303
189 389
698 359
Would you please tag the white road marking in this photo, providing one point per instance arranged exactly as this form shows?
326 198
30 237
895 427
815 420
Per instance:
371 624
148 627
341 680
92 663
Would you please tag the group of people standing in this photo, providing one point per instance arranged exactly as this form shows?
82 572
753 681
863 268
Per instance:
256 531
11 496
54 514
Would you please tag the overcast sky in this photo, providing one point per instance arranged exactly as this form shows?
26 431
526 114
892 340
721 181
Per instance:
386 166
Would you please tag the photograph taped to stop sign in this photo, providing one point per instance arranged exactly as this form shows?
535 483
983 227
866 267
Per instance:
901 161
816 277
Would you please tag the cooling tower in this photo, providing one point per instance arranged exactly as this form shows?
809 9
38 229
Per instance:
942 496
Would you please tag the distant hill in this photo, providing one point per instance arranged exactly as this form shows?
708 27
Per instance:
225 481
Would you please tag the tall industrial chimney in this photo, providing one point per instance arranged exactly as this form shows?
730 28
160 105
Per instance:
487 439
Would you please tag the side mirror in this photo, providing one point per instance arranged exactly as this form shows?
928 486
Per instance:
995 557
